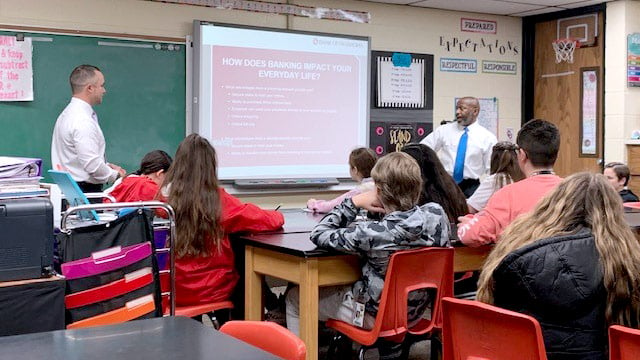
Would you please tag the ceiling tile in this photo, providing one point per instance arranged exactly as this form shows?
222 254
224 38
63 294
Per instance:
401 2
573 4
497 7
545 10
544 2
481 6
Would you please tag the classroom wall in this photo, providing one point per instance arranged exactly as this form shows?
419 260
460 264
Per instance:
622 103
392 28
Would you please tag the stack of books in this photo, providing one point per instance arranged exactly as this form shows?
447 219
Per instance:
11 167
20 177
11 188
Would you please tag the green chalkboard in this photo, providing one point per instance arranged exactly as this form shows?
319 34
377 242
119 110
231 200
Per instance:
143 109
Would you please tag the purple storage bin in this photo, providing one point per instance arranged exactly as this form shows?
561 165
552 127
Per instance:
160 237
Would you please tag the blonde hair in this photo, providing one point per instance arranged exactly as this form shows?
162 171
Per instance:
398 180
581 200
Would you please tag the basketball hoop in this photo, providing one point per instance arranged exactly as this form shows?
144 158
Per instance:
564 49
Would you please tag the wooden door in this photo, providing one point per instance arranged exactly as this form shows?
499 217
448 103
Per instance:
557 96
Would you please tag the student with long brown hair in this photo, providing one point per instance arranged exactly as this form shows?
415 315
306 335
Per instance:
573 263
504 171
205 216
437 185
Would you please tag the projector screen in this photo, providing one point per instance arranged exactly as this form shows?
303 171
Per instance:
280 104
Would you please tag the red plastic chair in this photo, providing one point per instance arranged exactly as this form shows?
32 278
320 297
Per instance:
624 343
425 268
476 331
269 337
194 310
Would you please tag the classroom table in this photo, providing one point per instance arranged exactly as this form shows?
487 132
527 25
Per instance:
153 339
293 257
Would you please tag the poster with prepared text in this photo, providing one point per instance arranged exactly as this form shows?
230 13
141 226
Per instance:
16 70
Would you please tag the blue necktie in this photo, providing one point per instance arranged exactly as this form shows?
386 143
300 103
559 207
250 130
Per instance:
458 168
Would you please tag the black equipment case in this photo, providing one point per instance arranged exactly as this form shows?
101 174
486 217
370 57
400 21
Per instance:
26 238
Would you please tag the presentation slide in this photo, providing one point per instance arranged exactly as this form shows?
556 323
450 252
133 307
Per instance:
281 104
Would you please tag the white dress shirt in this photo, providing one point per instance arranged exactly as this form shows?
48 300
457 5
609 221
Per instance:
78 145
445 138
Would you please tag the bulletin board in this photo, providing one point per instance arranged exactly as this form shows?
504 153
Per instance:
401 99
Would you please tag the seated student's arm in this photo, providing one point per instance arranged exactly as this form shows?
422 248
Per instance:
324 206
334 231
484 227
238 217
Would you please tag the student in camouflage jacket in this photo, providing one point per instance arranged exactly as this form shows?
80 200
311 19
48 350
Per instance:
405 226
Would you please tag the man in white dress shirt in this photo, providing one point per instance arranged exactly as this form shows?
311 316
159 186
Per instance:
78 145
469 159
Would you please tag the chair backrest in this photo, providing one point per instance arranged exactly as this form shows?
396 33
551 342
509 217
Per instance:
474 330
269 337
424 268
624 343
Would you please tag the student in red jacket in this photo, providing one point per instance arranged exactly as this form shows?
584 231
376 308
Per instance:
205 216
143 185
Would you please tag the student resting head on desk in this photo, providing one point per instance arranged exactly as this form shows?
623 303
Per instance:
573 263
205 216
404 226
361 161
143 185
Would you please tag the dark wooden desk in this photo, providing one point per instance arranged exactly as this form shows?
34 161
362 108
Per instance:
298 221
293 257
152 339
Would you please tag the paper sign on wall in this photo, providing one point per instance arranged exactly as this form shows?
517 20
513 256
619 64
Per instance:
401 86
16 70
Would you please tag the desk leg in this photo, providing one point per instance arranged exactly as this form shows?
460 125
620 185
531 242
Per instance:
252 288
309 306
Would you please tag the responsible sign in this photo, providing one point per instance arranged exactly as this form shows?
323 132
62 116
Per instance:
499 67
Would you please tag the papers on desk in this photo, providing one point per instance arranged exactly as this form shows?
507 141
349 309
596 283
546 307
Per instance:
21 187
